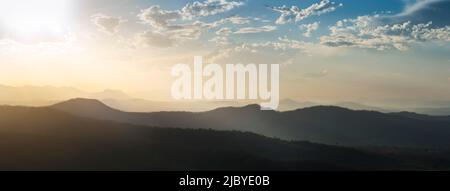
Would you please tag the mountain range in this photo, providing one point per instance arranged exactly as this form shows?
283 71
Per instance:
48 95
321 124
46 138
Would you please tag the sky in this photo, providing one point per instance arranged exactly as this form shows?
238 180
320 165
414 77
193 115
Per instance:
371 51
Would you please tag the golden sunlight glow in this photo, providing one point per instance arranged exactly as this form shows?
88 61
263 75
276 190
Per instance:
34 20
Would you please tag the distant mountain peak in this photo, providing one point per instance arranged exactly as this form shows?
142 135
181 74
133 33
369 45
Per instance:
82 103
325 108
251 107
111 94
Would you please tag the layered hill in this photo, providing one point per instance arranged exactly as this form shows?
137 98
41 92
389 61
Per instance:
47 139
322 124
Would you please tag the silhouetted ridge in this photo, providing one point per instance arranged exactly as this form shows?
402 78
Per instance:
84 103
251 107
87 108
68 142
81 102
325 108
323 124
413 115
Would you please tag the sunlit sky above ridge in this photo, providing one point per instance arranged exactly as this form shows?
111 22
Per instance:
336 50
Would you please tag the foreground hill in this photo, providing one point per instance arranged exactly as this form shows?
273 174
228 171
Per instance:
47 139
322 124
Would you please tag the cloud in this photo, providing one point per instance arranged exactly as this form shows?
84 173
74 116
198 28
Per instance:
423 11
420 21
173 34
368 32
157 17
208 7
170 34
106 23
221 40
222 36
295 14
309 28
155 39
224 31
283 51
168 25
247 30
237 20
282 44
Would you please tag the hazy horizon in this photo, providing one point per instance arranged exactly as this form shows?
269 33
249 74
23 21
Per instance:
42 96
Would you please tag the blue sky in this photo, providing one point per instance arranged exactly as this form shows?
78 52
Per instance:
259 9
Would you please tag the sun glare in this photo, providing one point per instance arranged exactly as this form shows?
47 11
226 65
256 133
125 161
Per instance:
34 19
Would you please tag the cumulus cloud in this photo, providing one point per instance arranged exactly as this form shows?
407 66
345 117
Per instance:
157 17
366 32
282 50
106 23
261 52
163 27
282 45
209 7
309 28
221 40
295 14
224 31
168 25
237 20
222 36
247 30
420 21
174 34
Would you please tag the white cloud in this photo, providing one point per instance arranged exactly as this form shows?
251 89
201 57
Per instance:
282 51
208 7
106 23
237 20
222 36
282 44
294 13
247 30
420 21
157 17
171 34
168 25
309 28
221 40
224 31
366 32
